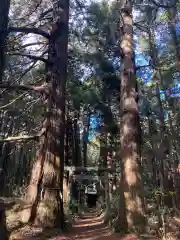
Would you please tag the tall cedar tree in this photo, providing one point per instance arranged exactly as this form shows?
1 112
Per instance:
46 185
132 202
4 11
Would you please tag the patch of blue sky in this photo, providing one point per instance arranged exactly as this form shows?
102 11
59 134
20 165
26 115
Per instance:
144 73
94 126
90 137
140 59
116 63
175 89
178 29
162 95
177 85
177 74
94 122
92 134
162 37
176 95
86 71
165 116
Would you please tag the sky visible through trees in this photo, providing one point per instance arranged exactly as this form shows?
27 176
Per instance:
92 85
145 74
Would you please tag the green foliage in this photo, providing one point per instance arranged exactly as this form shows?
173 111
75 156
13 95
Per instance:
164 17
112 211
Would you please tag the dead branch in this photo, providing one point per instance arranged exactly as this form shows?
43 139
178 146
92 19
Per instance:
31 44
144 66
23 137
19 138
36 58
39 89
166 6
13 101
29 30
45 13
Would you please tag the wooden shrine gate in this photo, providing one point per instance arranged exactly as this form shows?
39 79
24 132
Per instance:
86 176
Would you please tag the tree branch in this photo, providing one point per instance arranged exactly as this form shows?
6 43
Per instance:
29 30
40 89
18 48
19 138
36 58
42 15
25 72
23 137
163 5
142 28
30 44
139 67
13 101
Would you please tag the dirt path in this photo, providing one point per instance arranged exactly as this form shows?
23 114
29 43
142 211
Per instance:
87 227
91 227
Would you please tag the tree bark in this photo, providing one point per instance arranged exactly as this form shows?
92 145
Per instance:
4 11
46 185
153 157
6 150
3 227
77 152
69 147
172 12
132 213
86 126
69 150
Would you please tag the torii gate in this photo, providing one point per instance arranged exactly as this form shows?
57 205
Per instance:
79 173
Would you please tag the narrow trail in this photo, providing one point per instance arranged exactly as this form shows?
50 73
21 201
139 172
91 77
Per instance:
87 227
91 227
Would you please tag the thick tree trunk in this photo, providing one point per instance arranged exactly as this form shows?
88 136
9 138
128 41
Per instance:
66 188
153 157
163 154
172 12
46 184
4 11
132 212
6 150
69 153
3 227
69 147
77 153
164 150
172 25
86 127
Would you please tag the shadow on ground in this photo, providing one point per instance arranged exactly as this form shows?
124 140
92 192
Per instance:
87 227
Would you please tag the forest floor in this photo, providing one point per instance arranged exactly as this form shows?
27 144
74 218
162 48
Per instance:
89 226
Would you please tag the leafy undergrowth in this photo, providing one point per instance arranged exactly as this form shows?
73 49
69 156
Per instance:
172 224
17 230
26 232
